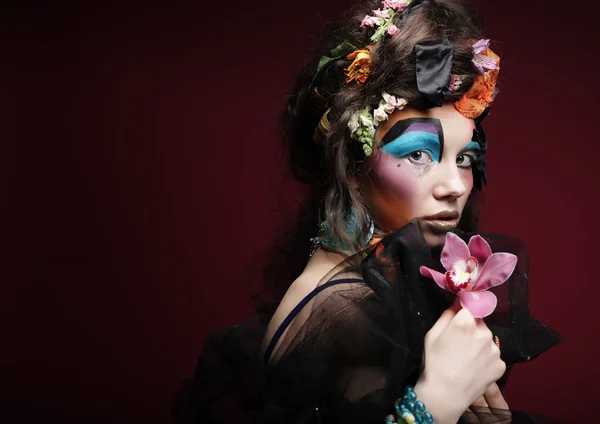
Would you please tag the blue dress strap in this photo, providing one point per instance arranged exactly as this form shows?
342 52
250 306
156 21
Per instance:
286 322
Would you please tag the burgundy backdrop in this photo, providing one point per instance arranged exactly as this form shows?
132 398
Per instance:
150 175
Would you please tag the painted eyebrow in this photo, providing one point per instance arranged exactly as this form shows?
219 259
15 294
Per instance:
403 124
412 141
473 145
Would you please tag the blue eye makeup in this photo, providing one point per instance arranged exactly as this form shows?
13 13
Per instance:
414 141
471 152
415 134
473 145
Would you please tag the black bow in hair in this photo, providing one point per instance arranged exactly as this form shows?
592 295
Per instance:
434 67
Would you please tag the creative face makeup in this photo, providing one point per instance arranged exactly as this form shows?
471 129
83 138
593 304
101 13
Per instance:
422 169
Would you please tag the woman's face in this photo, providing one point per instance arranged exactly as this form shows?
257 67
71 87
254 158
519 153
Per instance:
422 169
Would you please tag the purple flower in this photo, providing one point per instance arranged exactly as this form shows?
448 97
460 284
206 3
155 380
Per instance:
481 60
481 46
470 271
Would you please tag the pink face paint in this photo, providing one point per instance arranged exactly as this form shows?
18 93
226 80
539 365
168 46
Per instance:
399 185
397 175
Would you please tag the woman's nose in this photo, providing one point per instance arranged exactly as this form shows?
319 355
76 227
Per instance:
450 183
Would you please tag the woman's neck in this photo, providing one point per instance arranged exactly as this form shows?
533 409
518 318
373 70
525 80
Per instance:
322 262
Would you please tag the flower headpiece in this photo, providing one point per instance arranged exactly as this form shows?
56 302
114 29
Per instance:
433 68
362 123
382 18
360 68
483 92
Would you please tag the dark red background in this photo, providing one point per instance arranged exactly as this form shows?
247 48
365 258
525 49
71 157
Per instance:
149 175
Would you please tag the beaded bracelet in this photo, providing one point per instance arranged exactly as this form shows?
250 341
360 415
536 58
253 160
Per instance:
410 410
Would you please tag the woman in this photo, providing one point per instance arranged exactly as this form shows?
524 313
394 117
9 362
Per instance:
386 126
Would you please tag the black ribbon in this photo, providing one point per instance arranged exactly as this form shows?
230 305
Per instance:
434 67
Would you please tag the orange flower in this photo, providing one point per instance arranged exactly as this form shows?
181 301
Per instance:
481 94
360 68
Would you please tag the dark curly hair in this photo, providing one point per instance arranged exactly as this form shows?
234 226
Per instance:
337 159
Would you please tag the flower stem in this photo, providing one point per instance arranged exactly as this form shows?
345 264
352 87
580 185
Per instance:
383 28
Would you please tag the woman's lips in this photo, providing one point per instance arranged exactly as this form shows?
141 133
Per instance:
440 226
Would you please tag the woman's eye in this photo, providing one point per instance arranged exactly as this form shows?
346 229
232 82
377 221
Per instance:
465 160
420 157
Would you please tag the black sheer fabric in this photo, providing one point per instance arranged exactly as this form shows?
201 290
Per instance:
351 349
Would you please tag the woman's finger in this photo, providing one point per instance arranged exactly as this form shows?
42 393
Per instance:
443 321
480 402
493 397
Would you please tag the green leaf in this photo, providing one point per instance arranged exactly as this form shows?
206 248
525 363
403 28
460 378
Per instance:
343 49
322 62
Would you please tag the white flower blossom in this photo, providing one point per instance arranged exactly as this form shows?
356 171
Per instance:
393 102
380 114
353 122
366 121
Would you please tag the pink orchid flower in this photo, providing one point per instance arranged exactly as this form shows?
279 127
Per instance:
470 271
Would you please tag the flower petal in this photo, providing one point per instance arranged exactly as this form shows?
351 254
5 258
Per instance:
459 266
480 249
486 61
496 270
481 46
454 250
480 304
438 277
479 67
392 29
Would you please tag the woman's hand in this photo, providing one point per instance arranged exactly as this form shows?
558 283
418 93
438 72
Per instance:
461 363
492 403
492 398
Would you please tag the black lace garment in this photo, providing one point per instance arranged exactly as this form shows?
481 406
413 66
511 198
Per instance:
346 352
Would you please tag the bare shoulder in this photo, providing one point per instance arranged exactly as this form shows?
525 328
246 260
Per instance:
318 267
299 289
